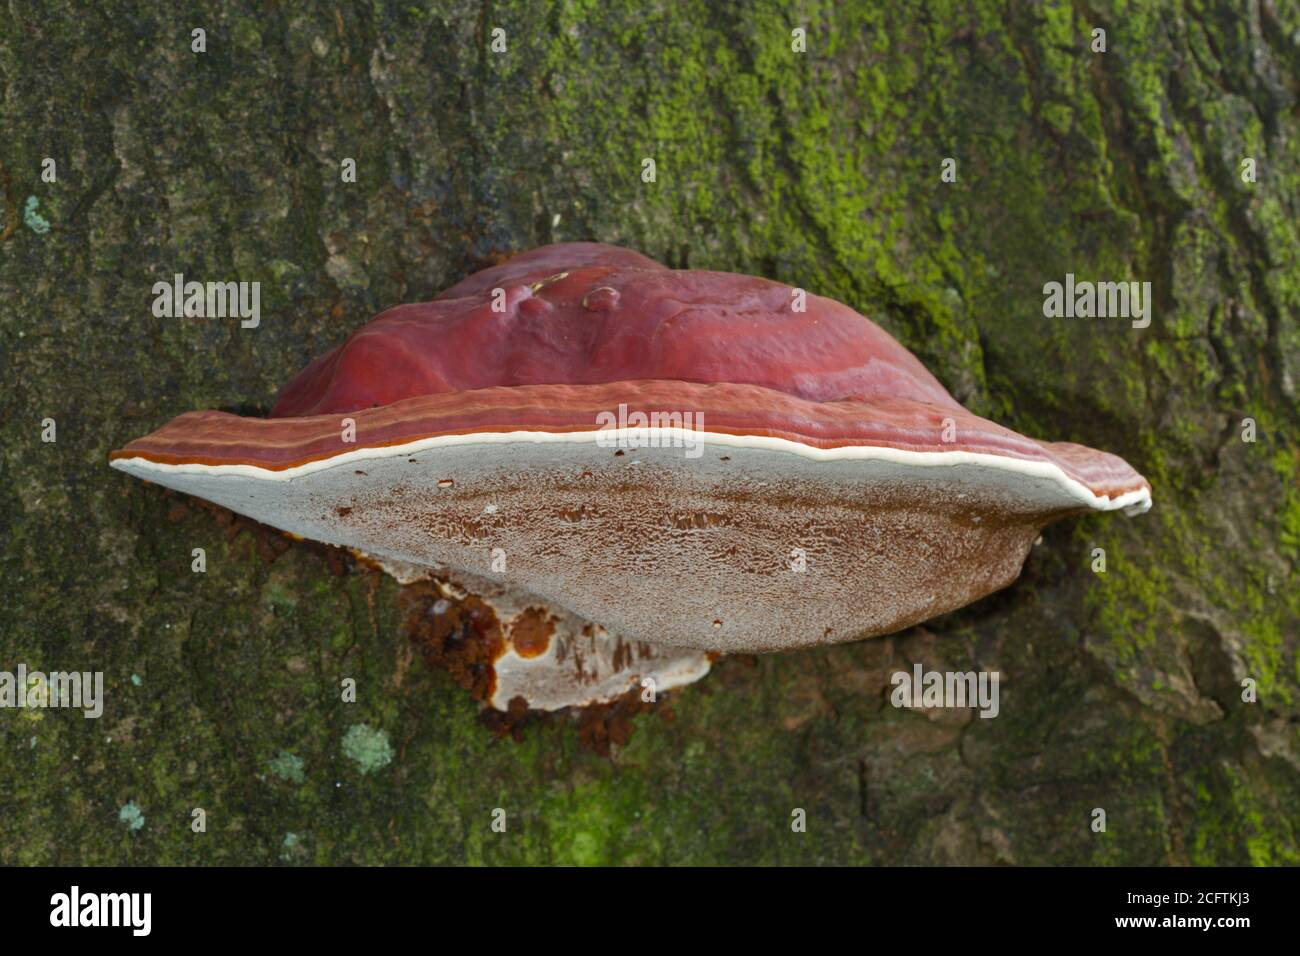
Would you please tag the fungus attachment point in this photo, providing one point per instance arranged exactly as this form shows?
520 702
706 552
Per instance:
812 431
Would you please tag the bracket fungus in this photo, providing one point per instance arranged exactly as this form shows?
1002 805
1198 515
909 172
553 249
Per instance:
636 466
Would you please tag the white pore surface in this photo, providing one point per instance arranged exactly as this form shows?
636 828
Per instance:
661 547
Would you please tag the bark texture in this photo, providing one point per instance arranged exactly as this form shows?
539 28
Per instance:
1121 690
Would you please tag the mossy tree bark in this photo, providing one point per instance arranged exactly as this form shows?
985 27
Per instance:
821 169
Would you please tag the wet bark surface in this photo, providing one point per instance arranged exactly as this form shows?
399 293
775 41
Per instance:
1120 690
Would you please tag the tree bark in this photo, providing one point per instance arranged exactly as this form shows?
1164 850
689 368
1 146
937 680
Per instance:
1121 690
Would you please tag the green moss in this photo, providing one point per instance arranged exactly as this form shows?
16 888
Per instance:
1235 823
819 169
1287 466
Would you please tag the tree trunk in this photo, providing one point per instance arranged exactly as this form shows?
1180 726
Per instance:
1121 690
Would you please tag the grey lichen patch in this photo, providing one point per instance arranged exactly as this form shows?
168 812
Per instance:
288 767
367 747
131 815
291 848
33 219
